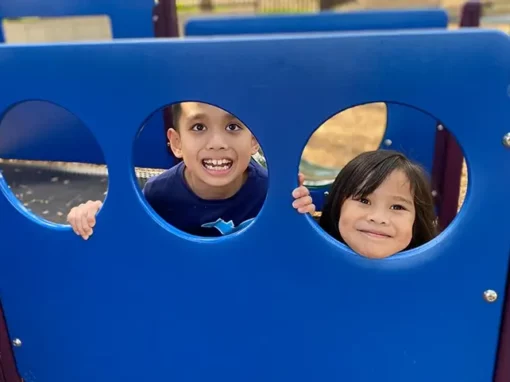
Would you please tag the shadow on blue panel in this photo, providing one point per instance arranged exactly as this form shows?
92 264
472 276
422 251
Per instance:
39 130
34 130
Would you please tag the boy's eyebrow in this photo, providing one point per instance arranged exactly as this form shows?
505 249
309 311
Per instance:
202 116
196 116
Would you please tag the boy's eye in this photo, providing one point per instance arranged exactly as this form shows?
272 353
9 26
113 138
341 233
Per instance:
198 127
233 127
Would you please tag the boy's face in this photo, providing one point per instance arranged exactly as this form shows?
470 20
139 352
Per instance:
381 224
215 147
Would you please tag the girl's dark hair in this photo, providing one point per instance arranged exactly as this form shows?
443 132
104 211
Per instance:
364 174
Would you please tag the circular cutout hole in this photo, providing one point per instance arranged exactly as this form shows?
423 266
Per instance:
50 161
382 201
216 187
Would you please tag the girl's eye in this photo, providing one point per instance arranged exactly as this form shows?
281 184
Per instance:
233 127
363 200
397 207
198 127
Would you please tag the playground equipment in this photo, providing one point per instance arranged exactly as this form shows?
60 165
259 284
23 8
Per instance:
141 301
76 145
38 123
316 22
413 132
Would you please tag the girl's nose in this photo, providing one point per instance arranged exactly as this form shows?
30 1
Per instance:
378 217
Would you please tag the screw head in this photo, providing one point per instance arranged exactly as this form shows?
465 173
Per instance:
506 140
490 296
326 193
440 127
17 342
387 142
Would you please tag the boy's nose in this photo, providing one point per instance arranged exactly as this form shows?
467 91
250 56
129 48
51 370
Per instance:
217 142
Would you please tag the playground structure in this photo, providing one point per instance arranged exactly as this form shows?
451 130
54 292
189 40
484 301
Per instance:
44 235
278 309
437 152
58 125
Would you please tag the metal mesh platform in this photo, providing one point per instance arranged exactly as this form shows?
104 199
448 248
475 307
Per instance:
51 189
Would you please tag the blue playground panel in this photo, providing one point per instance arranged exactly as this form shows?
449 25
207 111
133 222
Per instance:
411 131
141 301
46 132
316 22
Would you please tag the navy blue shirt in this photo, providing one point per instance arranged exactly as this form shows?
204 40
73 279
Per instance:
172 199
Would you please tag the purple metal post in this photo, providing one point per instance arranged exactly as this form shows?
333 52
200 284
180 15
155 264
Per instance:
8 369
166 24
164 16
447 168
502 372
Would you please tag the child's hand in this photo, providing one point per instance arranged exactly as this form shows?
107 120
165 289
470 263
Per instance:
83 218
303 201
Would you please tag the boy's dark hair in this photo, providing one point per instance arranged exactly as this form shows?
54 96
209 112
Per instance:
176 114
364 174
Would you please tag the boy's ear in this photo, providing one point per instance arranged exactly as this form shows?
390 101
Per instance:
254 145
175 142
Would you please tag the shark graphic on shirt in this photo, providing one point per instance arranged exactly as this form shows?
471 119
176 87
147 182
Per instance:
227 228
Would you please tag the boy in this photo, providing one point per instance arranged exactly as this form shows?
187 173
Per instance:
216 189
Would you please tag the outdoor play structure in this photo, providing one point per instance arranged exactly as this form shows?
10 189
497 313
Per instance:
142 301
73 142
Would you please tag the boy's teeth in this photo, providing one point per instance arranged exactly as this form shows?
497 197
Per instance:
217 164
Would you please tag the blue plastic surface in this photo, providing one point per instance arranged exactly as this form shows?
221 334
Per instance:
279 301
41 131
409 130
316 22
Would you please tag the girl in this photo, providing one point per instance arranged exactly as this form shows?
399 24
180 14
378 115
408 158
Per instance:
380 204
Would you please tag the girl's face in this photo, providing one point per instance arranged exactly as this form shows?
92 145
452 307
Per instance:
380 224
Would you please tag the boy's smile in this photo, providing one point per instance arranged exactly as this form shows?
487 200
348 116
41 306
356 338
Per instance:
216 149
217 166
